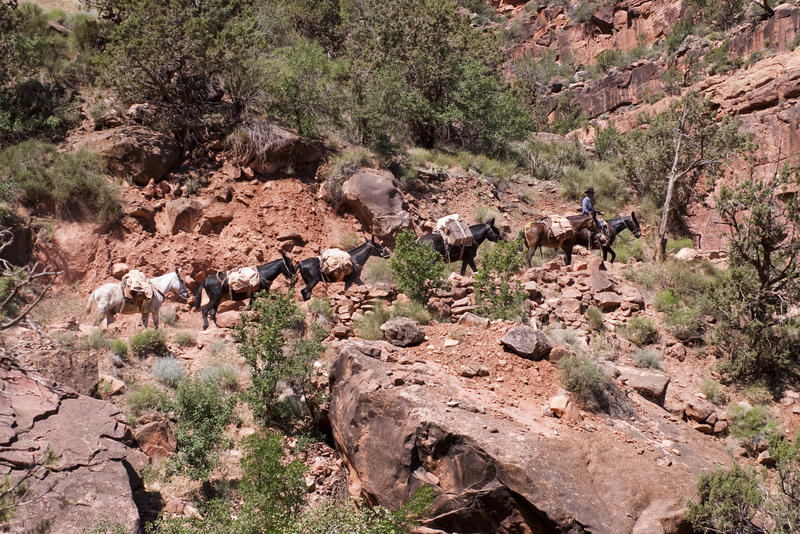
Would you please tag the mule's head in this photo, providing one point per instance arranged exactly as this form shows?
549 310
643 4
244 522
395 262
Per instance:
633 225
288 269
378 249
182 290
494 233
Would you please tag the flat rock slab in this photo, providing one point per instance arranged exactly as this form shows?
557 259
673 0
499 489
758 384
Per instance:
652 385
526 342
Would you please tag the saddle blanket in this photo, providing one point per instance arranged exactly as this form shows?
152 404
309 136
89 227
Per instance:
454 230
135 286
244 279
336 264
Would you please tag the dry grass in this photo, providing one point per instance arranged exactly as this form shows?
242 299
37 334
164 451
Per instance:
68 6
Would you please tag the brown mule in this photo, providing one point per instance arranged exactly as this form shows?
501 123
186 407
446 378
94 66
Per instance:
537 235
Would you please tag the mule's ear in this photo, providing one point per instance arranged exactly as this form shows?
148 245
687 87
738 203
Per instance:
491 221
633 216
178 271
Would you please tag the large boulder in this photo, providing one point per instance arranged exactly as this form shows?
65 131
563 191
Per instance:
267 148
134 151
156 439
372 196
179 215
503 470
91 475
402 332
526 342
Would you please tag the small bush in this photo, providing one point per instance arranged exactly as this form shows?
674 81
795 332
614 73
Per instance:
169 316
412 310
222 374
752 426
184 339
321 307
144 399
712 391
590 386
417 269
168 371
647 358
203 415
666 301
595 317
680 31
677 244
758 393
149 342
377 271
119 347
628 248
684 323
612 190
350 240
641 331
484 213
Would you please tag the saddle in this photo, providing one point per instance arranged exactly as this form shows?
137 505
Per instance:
336 264
136 289
243 280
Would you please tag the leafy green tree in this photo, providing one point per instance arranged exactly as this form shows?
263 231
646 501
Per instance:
497 295
264 342
417 269
760 339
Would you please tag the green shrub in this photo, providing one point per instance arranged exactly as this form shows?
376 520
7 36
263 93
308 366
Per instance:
149 342
641 331
584 10
679 32
146 398
222 374
168 371
169 316
628 248
666 301
684 323
711 390
677 244
119 347
69 185
607 142
377 271
595 317
647 358
758 393
263 341
370 326
496 294
203 414
720 60
184 339
483 213
752 426
589 385
417 269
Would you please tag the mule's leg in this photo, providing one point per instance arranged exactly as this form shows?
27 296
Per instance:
613 254
529 255
101 314
306 291
567 254
213 313
155 319
463 267
472 265
145 319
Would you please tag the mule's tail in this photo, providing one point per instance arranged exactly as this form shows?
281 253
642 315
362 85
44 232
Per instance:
198 295
89 304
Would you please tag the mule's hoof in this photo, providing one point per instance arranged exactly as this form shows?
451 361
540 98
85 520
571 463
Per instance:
602 266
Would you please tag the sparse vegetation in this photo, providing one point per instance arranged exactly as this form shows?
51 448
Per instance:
590 386
647 358
752 426
47 181
169 316
370 326
149 342
595 317
184 339
321 307
220 373
711 389
118 347
350 241
168 371
641 331
377 271
147 397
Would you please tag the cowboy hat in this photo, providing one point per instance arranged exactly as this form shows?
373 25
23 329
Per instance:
590 191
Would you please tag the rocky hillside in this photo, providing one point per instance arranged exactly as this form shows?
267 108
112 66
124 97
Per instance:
590 397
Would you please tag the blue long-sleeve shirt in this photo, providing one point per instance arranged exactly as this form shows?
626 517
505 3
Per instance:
587 206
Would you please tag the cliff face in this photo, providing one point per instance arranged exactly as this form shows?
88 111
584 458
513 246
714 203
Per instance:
761 90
